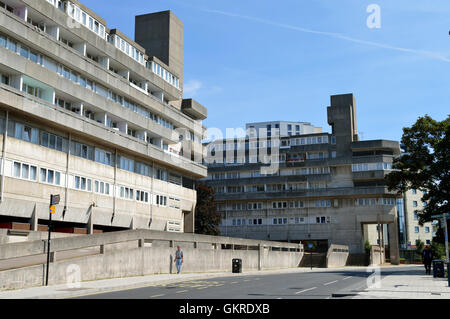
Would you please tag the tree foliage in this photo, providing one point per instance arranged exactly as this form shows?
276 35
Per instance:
207 219
425 165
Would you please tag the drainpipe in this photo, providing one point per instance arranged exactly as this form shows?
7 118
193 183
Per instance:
115 186
66 197
5 135
151 195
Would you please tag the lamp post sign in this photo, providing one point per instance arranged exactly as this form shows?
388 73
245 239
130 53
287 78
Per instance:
310 246
54 200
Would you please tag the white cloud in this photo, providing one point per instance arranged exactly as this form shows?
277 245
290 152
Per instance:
429 54
192 87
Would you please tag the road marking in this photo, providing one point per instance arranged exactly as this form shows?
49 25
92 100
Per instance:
347 278
181 291
305 290
329 283
202 288
246 280
234 282
155 296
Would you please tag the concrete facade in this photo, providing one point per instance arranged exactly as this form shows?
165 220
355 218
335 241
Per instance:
91 115
326 188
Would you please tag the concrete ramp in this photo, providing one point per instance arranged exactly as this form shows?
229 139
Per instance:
135 253
317 260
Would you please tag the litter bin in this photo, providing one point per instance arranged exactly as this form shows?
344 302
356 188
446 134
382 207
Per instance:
237 266
438 268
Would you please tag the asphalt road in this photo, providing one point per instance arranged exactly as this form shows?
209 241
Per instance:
324 284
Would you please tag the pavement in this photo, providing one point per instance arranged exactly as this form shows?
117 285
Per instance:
412 285
118 284
346 282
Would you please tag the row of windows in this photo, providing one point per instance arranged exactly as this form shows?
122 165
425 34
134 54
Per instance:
309 140
127 48
33 135
85 19
164 74
76 78
29 172
302 204
417 229
270 188
95 26
301 171
362 167
279 221
48 176
375 201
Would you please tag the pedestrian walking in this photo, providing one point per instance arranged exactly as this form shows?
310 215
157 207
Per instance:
178 259
427 257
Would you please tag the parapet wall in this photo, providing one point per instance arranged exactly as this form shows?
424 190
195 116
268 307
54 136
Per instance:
337 256
377 255
136 253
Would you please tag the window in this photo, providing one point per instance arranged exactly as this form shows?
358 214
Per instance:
416 229
414 203
24 52
49 176
126 192
142 196
101 187
103 157
54 142
323 220
126 164
82 150
82 183
2 41
12 45
427 229
25 171
414 191
416 217
161 200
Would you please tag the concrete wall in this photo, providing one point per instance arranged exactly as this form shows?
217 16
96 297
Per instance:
142 252
337 256
8 237
377 256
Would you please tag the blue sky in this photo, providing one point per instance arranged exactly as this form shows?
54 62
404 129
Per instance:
257 60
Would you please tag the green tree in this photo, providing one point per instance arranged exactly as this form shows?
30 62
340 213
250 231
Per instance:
207 219
367 247
425 165
419 247
438 250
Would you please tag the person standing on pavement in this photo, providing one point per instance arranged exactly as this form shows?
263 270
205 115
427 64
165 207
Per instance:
178 259
427 257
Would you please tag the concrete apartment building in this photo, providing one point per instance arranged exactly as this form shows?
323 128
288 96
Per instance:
90 114
412 201
329 186
284 128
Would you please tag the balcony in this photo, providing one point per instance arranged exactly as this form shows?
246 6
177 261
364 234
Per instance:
194 109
